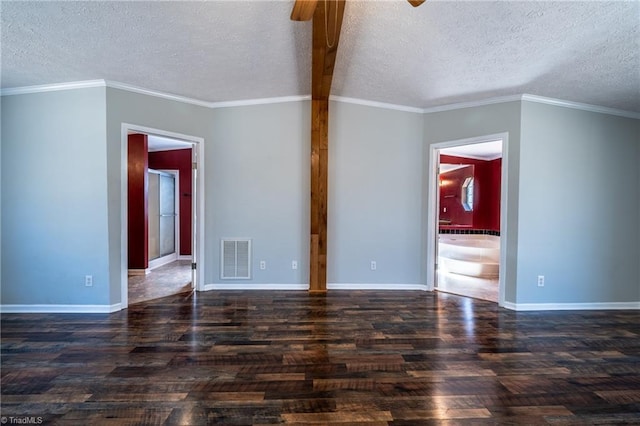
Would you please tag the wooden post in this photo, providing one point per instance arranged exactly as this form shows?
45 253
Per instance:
319 165
326 35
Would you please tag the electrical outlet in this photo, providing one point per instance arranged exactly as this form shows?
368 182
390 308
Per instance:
263 265
540 280
88 280
294 264
374 265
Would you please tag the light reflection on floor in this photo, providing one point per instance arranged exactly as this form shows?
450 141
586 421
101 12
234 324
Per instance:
479 288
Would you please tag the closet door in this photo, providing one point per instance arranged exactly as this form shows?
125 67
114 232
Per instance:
167 208
153 199
161 200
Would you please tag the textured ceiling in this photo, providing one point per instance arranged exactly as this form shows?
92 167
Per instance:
440 53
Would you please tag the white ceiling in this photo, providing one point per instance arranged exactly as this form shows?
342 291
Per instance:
161 143
440 53
480 151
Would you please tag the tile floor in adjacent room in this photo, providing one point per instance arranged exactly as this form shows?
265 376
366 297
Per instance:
166 280
478 288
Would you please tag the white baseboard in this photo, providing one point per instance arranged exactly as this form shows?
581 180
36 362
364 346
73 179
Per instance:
138 271
161 261
60 309
255 286
330 286
571 306
184 257
375 286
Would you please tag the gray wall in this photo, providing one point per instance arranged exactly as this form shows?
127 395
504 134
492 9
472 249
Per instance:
261 190
1 202
258 188
579 206
479 121
61 180
147 111
54 198
375 195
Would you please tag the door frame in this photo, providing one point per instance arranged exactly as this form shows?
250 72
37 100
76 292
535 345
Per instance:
433 203
197 214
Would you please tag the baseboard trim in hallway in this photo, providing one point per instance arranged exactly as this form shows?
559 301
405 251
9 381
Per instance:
60 309
572 306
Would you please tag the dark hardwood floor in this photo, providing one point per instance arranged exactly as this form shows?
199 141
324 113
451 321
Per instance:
352 357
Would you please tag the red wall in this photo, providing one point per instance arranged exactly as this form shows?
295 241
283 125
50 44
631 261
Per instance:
179 159
495 181
137 214
450 197
486 205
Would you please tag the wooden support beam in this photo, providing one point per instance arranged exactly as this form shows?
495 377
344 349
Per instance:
303 10
327 23
319 180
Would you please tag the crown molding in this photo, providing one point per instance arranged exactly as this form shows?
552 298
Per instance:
375 104
141 90
155 93
580 106
537 99
206 104
264 101
472 104
260 101
52 87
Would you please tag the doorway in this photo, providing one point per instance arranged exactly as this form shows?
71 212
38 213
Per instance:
466 215
173 199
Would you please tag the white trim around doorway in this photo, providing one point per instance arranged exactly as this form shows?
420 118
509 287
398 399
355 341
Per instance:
432 203
199 237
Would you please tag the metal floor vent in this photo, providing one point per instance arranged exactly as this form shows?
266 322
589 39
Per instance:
235 259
